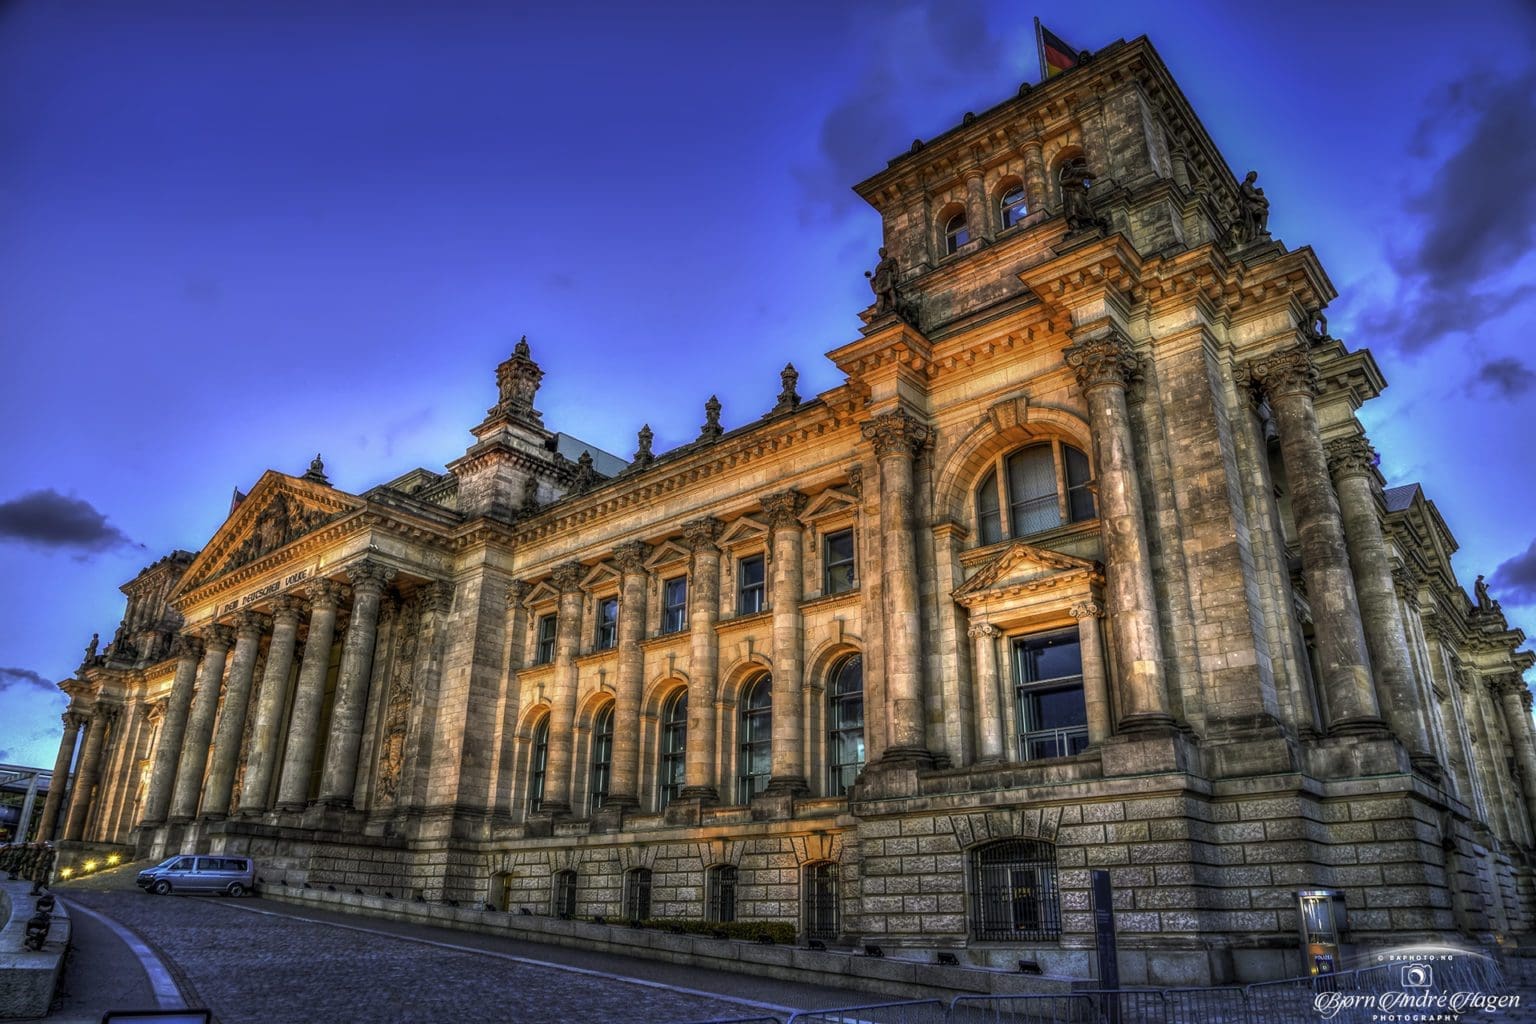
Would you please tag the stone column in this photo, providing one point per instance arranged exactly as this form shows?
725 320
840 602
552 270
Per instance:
260 759
1036 191
59 785
978 211
89 773
1352 461
624 784
787 757
989 715
1289 380
162 777
703 658
231 728
1515 702
308 696
896 437
1095 678
205 702
338 780
562 713
1104 365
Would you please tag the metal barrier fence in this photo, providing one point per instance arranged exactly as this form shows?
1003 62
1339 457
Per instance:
1348 997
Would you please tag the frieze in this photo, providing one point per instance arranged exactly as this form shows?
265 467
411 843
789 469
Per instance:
254 596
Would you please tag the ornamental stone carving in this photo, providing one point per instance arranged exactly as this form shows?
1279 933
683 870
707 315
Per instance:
281 522
517 592
701 534
643 454
783 508
568 577
1105 361
1350 456
370 575
436 597
631 557
517 380
287 607
1087 610
711 428
323 593
1407 583
250 625
1287 372
982 630
856 480
218 635
586 474
895 433
789 398
73 720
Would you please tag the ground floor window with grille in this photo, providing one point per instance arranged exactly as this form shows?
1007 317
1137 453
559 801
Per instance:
721 893
1013 891
1048 685
637 894
821 901
565 894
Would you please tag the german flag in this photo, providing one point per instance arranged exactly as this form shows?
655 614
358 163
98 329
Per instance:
1055 55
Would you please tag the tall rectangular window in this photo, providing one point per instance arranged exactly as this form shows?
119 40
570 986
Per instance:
544 647
750 585
721 893
1048 684
607 624
837 553
674 605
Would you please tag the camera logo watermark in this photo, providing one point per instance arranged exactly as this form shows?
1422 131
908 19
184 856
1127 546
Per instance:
1414 985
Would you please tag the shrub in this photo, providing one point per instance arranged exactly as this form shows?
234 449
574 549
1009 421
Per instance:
779 932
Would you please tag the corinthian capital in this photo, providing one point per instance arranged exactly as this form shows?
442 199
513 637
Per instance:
217 635
1350 456
1087 610
516 591
191 646
323 593
568 577
287 608
369 575
1105 361
72 720
631 557
895 433
783 508
1287 372
983 630
251 624
701 534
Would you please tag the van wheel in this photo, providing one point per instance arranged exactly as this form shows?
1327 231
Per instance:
162 888
235 889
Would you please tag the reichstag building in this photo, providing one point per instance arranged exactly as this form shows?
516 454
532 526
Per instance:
1087 563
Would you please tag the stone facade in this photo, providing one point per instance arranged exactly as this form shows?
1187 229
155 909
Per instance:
1086 564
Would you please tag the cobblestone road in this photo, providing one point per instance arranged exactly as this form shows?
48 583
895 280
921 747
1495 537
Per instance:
252 960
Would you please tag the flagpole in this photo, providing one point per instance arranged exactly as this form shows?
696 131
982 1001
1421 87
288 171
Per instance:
1040 48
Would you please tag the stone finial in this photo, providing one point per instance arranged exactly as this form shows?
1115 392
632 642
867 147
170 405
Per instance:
316 472
782 508
568 576
711 428
788 397
1350 456
1287 372
517 381
1105 361
895 433
586 475
701 534
643 455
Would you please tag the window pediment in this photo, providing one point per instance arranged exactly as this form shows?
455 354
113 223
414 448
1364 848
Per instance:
668 553
745 530
832 503
1021 566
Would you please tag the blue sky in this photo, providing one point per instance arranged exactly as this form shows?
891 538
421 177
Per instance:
238 234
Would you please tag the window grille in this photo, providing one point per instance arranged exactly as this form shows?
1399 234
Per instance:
1013 891
721 892
637 894
821 900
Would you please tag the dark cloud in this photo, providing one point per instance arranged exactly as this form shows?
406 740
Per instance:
1475 215
1507 377
24 679
1514 581
48 519
913 51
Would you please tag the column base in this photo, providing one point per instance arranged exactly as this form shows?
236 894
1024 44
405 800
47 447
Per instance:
788 785
1150 721
704 794
1427 766
1364 725
906 757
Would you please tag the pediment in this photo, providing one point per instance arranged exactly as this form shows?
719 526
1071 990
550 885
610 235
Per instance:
542 593
602 573
279 510
1020 565
830 502
667 553
743 530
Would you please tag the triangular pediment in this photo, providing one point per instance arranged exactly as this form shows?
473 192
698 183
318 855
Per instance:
743 530
542 593
830 502
601 574
1021 564
667 553
279 510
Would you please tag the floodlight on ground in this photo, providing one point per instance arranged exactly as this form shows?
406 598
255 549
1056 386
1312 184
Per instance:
1029 967
816 944
948 959
870 949
114 859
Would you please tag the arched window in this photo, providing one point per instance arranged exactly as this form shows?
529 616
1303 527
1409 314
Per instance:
1011 205
845 713
637 894
754 765
564 906
538 759
602 755
674 747
1048 686
1013 891
821 900
720 884
1042 486
956 233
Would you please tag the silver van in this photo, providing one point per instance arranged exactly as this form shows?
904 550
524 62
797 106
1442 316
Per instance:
203 872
